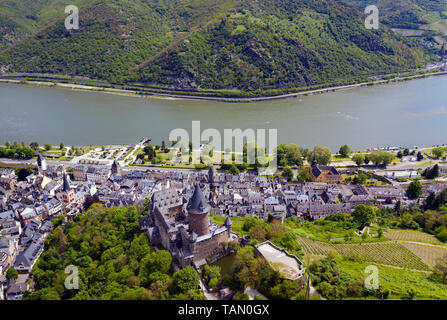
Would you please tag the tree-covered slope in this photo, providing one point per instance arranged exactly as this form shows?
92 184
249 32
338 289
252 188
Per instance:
225 44
113 261
405 13
20 18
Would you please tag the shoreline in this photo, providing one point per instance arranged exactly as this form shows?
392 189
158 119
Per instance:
170 96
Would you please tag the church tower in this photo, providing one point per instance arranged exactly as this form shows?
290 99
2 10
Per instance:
211 174
198 213
314 161
116 168
41 163
68 195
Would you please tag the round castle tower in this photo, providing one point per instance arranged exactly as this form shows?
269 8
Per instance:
198 213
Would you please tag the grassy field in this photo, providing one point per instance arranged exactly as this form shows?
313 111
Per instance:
386 253
399 281
333 232
237 223
412 235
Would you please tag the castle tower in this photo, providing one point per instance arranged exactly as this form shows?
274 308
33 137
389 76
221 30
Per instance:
116 168
228 223
68 196
41 162
198 213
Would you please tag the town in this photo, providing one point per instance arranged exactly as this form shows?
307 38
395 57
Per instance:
183 202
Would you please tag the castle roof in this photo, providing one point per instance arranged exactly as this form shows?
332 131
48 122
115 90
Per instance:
198 203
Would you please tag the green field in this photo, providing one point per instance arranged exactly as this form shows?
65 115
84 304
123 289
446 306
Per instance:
237 223
399 281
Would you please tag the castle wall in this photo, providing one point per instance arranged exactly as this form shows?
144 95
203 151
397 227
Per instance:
202 249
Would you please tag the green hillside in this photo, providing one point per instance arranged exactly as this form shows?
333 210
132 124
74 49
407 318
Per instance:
252 46
405 13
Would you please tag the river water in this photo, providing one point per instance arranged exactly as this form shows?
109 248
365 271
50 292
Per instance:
411 113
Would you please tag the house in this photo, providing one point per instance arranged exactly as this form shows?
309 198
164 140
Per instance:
2 283
6 215
9 249
16 291
80 173
3 263
28 214
26 259
28 233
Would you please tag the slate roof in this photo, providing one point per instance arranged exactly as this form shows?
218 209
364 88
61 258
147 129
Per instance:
198 203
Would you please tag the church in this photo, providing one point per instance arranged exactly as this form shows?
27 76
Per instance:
327 174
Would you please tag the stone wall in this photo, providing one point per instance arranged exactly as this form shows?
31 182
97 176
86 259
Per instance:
202 249
199 223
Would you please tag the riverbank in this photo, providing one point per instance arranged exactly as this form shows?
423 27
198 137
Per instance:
172 96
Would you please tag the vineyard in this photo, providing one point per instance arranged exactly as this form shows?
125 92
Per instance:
429 254
410 235
387 253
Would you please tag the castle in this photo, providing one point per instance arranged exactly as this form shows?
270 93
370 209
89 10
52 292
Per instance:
185 230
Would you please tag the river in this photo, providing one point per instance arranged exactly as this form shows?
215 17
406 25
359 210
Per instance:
401 114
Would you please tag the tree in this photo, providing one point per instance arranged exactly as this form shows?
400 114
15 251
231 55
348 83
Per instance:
293 155
149 151
363 215
185 279
281 151
34 145
420 157
234 170
414 190
406 152
400 154
47 146
61 146
345 150
288 173
258 233
381 157
322 154
358 159
12 274
411 293
367 160
304 174
438 152
432 173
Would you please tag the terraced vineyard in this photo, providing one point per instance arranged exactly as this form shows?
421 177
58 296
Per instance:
314 247
387 253
429 254
411 235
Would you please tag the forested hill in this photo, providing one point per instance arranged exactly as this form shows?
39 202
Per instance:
406 13
207 44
